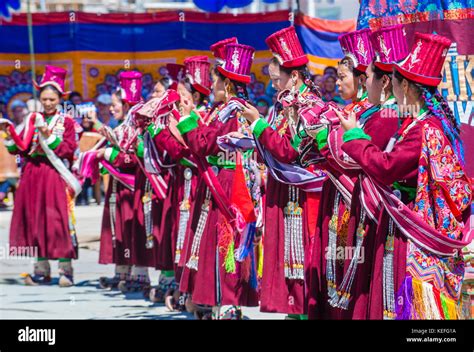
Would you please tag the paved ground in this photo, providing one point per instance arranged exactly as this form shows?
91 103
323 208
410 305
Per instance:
85 300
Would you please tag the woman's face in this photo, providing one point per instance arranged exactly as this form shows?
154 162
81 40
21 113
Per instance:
184 93
50 101
285 80
398 91
330 84
318 80
218 88
274 72
116 108
158 90
347 84
374 86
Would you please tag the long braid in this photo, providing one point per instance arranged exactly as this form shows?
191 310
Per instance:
241 91
447 119
306 75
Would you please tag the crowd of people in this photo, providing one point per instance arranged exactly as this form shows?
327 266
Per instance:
341 196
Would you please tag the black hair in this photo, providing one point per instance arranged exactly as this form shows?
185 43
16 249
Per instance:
52 88
165 82
451 124
274 61
239 87
347 61
203 99
380 73
118 93
74 94
305 75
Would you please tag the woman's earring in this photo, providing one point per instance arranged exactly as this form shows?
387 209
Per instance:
382 97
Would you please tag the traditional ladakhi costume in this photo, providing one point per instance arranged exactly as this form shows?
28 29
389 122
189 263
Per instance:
43 215
333 280
119 213
197 73
220 279
286 210
417 268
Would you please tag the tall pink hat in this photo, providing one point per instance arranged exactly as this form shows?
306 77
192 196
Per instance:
55 76
390 46
356 45
177 73
238 61
131 86
197 69
425 62
286 47
218 49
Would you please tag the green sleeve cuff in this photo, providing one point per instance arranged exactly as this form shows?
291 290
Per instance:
140 149
111 154
54 143
195 115
322 138
97 125
154 130
259 127
355 133
187 124
12 148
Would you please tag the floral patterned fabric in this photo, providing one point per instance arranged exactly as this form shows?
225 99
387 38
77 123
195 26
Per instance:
443 193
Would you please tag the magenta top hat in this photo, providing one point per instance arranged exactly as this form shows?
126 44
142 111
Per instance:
356 45
425 62
131 86
55 76
197 69
176 72
390 46
238 61
218 49
286 47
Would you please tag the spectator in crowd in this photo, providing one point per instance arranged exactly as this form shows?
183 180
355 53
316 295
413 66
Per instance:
75 98
19 111
263 104
318 80
330 70
103 103
328 90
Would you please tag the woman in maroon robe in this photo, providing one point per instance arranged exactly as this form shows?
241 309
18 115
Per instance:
43 217
330 275
282 284
194 87
413 277
117 219
226 288
379 92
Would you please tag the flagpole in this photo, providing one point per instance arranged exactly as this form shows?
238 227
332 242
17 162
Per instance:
32 47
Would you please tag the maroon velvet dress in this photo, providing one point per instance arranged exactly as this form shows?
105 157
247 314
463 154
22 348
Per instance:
181 155
211 284
41 215
381 130
279 294
120 252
